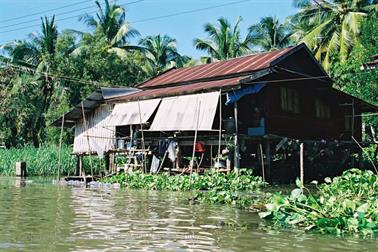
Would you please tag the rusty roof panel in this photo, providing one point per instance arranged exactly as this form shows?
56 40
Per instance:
182 89
240 65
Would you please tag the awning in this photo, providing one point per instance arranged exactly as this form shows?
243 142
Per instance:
133 112
186 113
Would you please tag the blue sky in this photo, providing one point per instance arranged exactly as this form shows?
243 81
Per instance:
183 27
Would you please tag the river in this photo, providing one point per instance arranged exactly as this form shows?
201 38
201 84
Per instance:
36 215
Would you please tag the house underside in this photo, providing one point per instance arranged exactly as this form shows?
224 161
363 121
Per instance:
248 112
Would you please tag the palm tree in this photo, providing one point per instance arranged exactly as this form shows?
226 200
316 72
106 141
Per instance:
110 22
333 26
161 52
224 41
38 53
270 34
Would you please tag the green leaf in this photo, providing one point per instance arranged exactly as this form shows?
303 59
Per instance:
296 193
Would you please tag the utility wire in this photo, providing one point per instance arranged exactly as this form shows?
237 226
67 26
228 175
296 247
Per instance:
56 15
62 76
65 18
42 12
57 76
142 20
188 11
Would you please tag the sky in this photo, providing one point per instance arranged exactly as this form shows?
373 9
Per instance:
185 20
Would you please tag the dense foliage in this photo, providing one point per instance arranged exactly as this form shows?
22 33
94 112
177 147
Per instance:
346 204
350 78
332 27
213 187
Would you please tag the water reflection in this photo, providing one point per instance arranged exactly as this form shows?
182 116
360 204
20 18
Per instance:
20 182
44 217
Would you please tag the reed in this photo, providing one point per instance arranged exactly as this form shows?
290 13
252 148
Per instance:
42 161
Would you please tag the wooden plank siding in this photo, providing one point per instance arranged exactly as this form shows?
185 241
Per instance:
305 124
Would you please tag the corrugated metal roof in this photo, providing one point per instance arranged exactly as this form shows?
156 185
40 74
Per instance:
227 68
204 86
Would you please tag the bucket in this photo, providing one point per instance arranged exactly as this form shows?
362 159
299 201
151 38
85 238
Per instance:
121 144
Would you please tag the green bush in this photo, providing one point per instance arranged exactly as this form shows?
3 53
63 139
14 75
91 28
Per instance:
346 204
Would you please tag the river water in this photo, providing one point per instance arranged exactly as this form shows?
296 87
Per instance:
36 215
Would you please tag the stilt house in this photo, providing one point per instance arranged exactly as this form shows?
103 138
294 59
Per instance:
241 112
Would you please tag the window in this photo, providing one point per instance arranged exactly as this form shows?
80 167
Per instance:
289 100
322 110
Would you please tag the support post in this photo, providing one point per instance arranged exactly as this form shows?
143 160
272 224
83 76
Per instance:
60 148
112 167
220 126
268 160
301 159
236 140
78 165
262 162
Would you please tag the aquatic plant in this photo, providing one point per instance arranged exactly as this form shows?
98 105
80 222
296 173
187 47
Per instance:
212 187
344 204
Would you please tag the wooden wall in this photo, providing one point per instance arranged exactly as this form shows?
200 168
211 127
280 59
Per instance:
302 125
100 135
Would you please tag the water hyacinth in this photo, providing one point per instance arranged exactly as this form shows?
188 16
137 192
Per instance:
347 204
212 187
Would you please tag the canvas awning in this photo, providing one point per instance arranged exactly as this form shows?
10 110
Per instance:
186 113
131 113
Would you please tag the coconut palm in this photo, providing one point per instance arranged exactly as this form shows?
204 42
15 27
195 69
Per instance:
270 34
38 54
333 25
110 22
161 52
224 41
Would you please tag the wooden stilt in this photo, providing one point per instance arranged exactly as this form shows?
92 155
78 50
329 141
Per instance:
302 163
78 165
60 147
89 145
195 138
143 145
262 162
268 160
236 140
228 165
220 126
211 155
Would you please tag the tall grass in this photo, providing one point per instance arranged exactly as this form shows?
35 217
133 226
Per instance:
41 161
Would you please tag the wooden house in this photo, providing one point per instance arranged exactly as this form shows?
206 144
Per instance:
243 110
